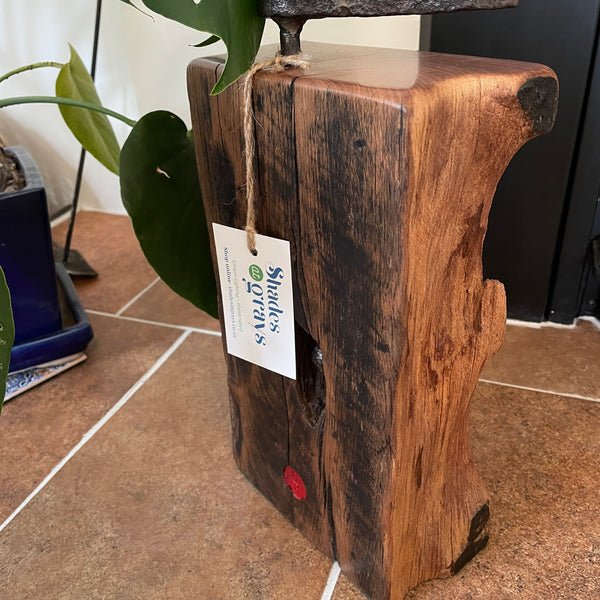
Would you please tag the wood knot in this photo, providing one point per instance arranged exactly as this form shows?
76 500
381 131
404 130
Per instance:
539 99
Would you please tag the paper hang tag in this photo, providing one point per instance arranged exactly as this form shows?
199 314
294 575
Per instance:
258 307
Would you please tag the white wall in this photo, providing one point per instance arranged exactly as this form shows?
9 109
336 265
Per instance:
141 67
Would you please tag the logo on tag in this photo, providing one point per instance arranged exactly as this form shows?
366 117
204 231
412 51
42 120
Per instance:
256 272
257 299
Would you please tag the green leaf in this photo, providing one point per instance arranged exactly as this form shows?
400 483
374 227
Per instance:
161 193
92 129
7 334
213 39
4 102
236 22
137 8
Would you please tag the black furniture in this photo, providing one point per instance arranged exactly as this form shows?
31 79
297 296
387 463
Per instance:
544 218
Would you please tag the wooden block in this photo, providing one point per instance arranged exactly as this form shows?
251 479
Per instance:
379 167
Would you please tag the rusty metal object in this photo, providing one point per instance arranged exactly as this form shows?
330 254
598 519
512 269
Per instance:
289 34
315 9
291 15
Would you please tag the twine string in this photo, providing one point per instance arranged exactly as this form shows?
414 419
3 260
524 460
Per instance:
278 63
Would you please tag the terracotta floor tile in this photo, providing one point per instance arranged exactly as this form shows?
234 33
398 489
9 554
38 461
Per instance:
108 244
38 428
540 457
160 303
344 590
556 359
154 508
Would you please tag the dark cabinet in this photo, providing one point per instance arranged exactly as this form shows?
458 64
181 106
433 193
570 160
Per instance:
544 216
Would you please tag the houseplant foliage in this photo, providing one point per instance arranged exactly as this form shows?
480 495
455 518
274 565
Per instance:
157 165
236 22
161 192
7 334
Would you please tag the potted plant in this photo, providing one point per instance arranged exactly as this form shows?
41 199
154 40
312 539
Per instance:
26 251
27 259
7 333
157 165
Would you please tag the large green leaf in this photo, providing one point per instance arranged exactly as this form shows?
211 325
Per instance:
7 334
92 129
213 39
236 22
161 193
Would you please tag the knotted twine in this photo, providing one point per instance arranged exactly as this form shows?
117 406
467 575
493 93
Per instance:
278 64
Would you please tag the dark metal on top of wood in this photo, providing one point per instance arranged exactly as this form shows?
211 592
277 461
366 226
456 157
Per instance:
291 15
316 9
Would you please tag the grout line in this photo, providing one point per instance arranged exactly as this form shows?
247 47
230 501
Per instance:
58 220
331 582
540 391
87 436
135 298
593 320
528 324
148 322
551 324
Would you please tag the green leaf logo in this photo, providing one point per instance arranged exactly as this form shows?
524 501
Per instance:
256 272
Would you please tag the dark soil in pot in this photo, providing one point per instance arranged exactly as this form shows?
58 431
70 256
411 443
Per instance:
11 176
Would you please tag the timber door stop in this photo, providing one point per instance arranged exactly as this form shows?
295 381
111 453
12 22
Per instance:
379 167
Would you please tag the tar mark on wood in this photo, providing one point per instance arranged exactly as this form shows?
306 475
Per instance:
385 348
539 99
419 469
236 425
478 539
258 103
329 508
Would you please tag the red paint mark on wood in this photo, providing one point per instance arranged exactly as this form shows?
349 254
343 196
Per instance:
295 483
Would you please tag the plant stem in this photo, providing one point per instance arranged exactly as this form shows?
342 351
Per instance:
66 101
37 65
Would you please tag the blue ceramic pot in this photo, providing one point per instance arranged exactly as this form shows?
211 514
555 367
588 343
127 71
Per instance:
27 260
26 254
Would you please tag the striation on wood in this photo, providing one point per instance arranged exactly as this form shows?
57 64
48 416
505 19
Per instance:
379 167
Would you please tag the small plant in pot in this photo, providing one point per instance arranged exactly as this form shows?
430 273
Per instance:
157 165
48 322
25 252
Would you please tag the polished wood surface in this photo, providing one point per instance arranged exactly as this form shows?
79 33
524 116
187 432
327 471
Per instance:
379 167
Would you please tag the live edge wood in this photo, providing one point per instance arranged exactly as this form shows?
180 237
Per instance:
379 167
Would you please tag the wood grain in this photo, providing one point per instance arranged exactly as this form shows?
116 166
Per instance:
379 167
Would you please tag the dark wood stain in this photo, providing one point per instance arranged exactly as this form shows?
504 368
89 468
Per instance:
539 99
478 538
311 387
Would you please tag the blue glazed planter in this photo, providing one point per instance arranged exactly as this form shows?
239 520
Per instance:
27 260
26 254
58 344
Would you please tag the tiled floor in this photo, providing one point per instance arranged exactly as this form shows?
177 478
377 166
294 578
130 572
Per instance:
117 480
